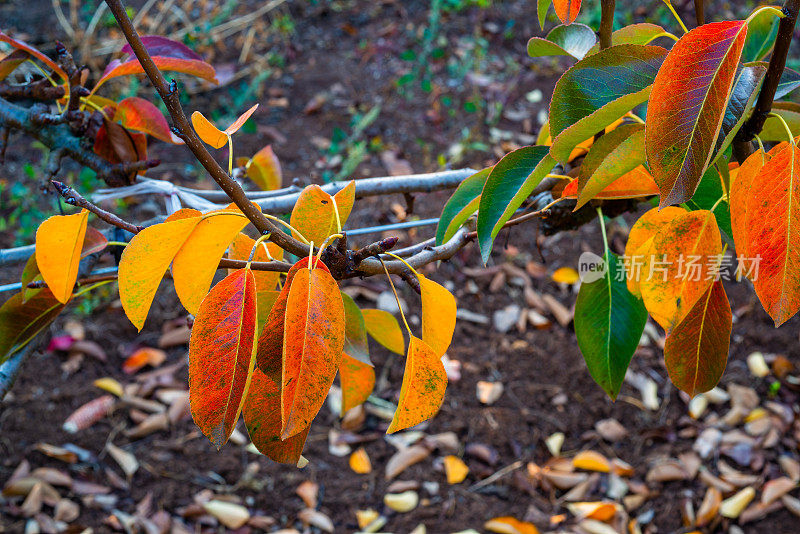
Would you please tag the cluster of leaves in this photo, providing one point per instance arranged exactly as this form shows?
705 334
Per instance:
697 95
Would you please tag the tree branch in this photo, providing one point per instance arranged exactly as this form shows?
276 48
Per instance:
74 198
606 22
777 63
169 94
700 12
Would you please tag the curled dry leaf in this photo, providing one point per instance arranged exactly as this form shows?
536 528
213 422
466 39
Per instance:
89 414
489 392
709 507
110 385
126 460
52 476
510 525
144 356
611 430
402 502
733 506
66 511
602 511
591 461
405 458
554 442
365 517
229 514
455 469
776 488
667 471
315 518
308 492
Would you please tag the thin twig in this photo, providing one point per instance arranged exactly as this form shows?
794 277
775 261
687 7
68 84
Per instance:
700 12
169 94
74 198
606 22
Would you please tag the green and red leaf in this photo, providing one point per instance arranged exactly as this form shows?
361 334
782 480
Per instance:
696 350
687 106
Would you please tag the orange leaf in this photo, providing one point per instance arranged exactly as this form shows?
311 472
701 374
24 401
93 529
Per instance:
639 240
195 67
438 315
145 260
197 260
696 350
679 258
740 192
773 232
265 169
359 461
212 135
312 346
565 275
313 214
455 469
59 241
591 461
269 347
633 184
358 381
424 383
221 355
262 416
385 329
240 250
142 357
136 113
510 525
567 10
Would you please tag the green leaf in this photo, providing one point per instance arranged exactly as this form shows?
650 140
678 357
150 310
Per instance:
740 105
638 34
773 129
599 89
573 40
461 205
790 80
508 185
696 351
609 322
541 11
761 33
355 331
709 191
617 152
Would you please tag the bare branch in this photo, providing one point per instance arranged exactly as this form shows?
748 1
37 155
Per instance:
606 22
74 198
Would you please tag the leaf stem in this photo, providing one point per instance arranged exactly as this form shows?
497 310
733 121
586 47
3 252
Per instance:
603 228
785 126
255 247
760 146
675 14
717 203
776 10
396 297
230 153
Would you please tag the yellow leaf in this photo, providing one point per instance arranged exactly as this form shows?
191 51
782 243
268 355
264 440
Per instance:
455 469
59 241
212 135
240 250
385 329
110 385
591 461
565 275
639 239
359 462
196 262
265 169
313 215
424 383
438 315
510 525
144 262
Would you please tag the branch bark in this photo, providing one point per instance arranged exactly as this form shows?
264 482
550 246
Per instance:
606 22
777 63
74 198
169 94
700 12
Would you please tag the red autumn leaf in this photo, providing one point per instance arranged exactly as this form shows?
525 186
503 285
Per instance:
687 106
262 416
741 181
567 10
20 45
21 320
142 357
696 350
167 54
13 60
312 346
221 355
138 114
115 144
269 347
773 232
